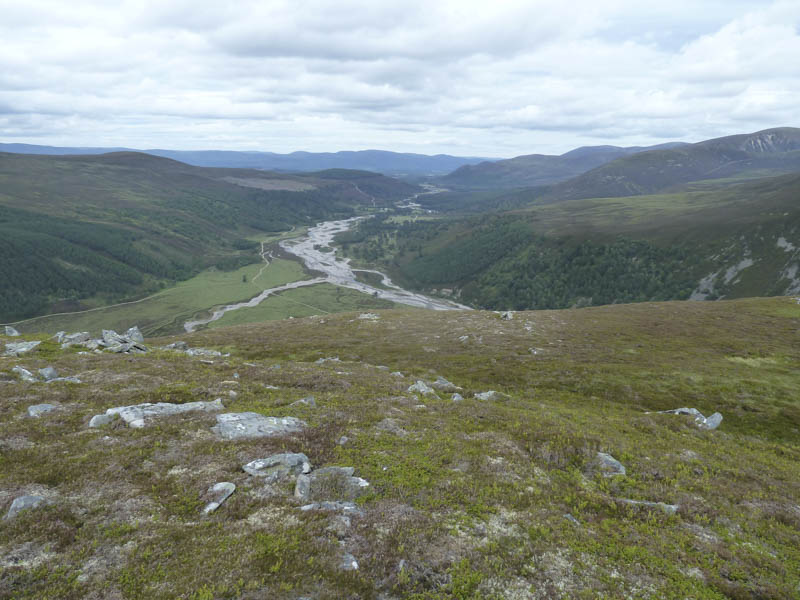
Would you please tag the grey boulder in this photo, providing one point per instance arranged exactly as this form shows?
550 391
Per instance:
491 395
39 409
307 401
701 421
11 332
422 388
23 503
24 374
134 335
607 465
48 373
218 493
15 349
331 484
446 386
278 466
136 416
75 339
670 509
246 425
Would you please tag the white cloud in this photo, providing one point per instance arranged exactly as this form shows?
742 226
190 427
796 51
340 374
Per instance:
467 77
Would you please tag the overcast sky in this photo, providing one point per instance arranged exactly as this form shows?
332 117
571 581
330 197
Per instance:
497 78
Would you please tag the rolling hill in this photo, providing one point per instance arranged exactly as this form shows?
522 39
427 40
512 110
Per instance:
714 242
538 169
100 228
379 161
768 152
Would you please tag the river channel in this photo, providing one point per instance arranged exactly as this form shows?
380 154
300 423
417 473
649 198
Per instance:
317 254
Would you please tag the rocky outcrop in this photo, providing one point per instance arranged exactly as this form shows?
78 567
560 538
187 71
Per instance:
138 415
17 348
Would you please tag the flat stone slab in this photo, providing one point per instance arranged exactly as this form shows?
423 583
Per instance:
136 416
23 503
278 466
246 425
670 509
491 395
17 348
39 409
330 484
219 492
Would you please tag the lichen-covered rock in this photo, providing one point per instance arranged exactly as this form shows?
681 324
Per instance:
235 426
422 388
39 409
24 374
278 466
23 503
606 465
136 416
134 335
17 348
48 373
217 494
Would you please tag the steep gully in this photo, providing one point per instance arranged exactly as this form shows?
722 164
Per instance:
336 270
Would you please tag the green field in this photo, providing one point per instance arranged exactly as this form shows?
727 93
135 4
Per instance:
304 302
166 311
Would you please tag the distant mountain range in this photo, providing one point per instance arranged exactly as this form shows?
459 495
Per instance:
539 169
736 157
379 161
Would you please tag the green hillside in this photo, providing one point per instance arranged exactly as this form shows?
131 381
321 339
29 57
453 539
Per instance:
83 231
725 241
474 498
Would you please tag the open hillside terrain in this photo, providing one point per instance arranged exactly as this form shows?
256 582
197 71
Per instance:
413 454
83 231
705 242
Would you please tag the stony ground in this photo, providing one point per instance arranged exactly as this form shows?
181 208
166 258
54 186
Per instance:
469 496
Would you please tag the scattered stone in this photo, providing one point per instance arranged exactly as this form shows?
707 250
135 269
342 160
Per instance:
219 492
182 346
48 373
507 315
396 374
330 483
23 503
345 507
349 563
73 339
422 388
20 348
343 440
491 395
24 374
279 466
232 395
322 361
702 422
457 397
463 339
11 332
40 409
135 335
136 416
65 379
446 386
236 426
607 465
368 317
670 509
59 337
307 401
572 520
